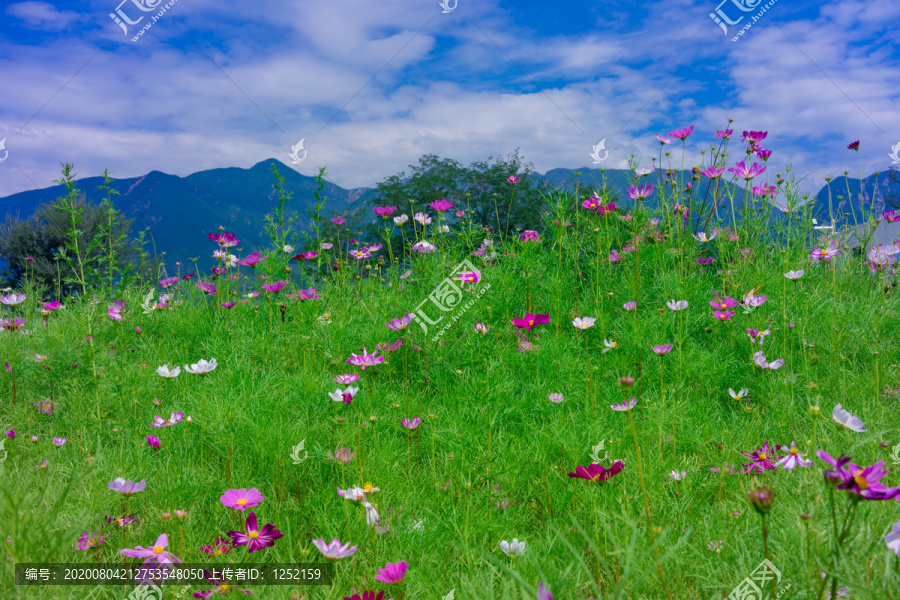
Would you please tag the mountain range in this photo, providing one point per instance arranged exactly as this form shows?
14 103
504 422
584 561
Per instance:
181 211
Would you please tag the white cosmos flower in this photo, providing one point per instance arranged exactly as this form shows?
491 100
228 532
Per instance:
371 514
584 322
202 367
516 548
738 395
795 275
338 396
398 221
702 237
677 476
610 344
845 419
164 371
288 248
679 305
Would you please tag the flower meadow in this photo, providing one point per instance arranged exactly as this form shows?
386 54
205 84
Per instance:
739 379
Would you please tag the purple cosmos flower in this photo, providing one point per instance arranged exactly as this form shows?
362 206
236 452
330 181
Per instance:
401 323
592 203
442 205
157 553
543 593
763 460
253 537
764 155
724 304
529 235
59 441
606 209
365 359
595 472
629 305
754 136
338 220
891 215
853 145
385 211
864 482
742 170
892 540
127 488
168 281
242 499
224 239
792 459
334 550
705 261
614 256
153 441
251 260
220 547
723 315
346 378
640 193
11 434
682 133
411 423
751 301
662 349
91 540
206 287
530 320
366 595
624 405
392 572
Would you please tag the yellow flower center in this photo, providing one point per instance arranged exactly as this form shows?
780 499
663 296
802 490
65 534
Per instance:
241 502
368 487
763 456
157 549
217 552
794 451
224 587
860 481
253 535
531 323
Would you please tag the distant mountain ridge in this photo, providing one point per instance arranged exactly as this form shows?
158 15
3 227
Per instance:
181 211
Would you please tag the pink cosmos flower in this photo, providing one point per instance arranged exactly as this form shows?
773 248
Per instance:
595 472
891 215
242 499
481 328
338 220
513 179
334 550
229 304
614 256
663 348
629 305
556 398
763 460
346 378
624 405
643 171
385 211
853 145
115 311
713 172
828 253
756 335
274 287
470 277
392 572
723 315
365 359
763 155
166 283
754 136
153 441
46 406
442 205
663 140
127 488
57 304
723 304
411 423
91 540
606 209
252 260
724 134
460 214
206 288
530 320
174 419
591 203
225 239
401 323
341 454
529 235
742 170
59 441
253 537
682 134
768 191
156 553
760 360
640 193
423 247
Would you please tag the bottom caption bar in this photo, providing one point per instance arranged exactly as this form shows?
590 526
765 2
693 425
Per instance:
171 574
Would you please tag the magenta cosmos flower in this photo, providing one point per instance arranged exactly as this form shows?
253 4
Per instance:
156 553
763 460
346 378
206 288
624 405
853 145
742 170
595 472
754 136
127 488
891 215
470 277
224 239
682 133
723 315
401 323
442 205
365 359
242 499
713 172
166 283
662 348
724 304
864 482
385 211
274 287
530 320
529 235
640 193
252 260
334 550
153 441
828 253
411 423
338 220
513 179
392 572
253 537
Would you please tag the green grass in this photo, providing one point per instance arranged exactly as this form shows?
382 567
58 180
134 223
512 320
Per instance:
494 436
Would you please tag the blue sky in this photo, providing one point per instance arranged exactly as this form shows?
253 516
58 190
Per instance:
373 85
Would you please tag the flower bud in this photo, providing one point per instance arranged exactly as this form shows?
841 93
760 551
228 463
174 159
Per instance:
761 499
181 514
832 477
166 516
814 410
626 381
